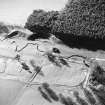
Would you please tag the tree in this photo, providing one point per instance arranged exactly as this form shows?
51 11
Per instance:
82 17
80 24
41 21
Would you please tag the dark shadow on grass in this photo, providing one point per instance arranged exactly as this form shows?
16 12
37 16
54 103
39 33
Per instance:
38 36
82 42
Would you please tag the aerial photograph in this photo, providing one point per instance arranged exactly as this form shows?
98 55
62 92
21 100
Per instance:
52 52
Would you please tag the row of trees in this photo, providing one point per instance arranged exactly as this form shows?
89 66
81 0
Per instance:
79 18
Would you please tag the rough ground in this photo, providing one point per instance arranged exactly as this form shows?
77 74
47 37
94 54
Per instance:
19 85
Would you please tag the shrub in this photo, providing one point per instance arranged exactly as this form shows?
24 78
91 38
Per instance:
3 28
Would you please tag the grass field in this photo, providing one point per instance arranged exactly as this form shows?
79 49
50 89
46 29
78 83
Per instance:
13 81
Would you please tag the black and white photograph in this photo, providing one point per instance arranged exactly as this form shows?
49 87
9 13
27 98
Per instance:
52 52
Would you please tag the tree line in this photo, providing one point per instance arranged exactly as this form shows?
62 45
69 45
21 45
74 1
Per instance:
80 24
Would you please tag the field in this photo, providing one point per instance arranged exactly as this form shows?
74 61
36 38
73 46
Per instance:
20 61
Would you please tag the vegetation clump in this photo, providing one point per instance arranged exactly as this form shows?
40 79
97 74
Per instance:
80 24
41 21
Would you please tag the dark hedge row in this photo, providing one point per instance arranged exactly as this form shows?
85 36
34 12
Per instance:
80 24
